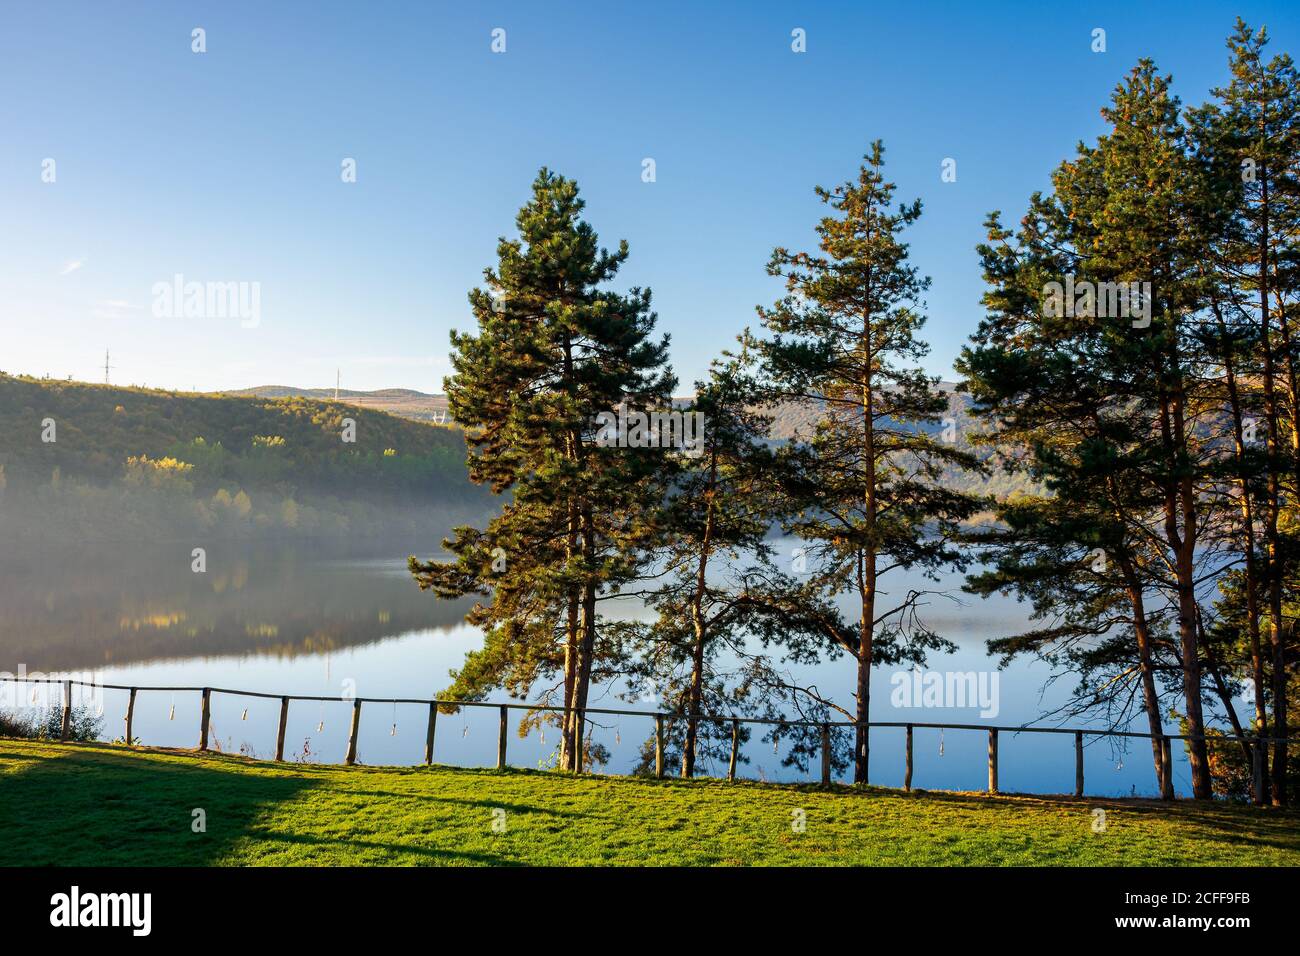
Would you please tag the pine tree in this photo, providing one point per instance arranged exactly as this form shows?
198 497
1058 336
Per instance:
1123 410
867 482
717 586
1251 137
1075 552
554 350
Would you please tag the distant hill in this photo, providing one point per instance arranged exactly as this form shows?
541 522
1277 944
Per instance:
403 402
799 419
789 420
96 458
81 461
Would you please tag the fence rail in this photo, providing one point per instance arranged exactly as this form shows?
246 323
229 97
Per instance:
434 704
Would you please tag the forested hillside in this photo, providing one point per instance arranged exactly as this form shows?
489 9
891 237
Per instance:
798 419
789 419
107 461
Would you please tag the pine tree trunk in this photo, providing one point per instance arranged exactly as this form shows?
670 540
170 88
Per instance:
699 626
1180 532
569 744
866 565
693 704
586 645
1150 699
862 748
1281 721
1197 750
571 653
1272 539
1260 724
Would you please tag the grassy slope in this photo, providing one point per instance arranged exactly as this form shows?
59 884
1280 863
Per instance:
92 804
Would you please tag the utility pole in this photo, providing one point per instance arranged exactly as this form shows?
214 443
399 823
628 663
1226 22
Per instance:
106 366
338 374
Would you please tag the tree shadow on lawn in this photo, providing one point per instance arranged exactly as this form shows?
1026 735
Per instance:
426 855
93 806
1230 823
484 803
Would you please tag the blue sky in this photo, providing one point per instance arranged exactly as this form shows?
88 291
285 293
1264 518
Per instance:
226 165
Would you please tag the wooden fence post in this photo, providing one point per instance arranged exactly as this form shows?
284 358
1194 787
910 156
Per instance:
428 735
205 718
501 738
659 746
1078 763
1166 769
907 771
351 757
993 761
130 717
67 710
735 750
284 724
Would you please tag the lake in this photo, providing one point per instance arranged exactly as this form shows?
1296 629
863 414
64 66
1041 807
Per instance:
316 621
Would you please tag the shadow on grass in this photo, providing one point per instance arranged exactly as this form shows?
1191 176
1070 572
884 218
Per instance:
93 806
487 803
1228 822
1218 820
427 854
101 805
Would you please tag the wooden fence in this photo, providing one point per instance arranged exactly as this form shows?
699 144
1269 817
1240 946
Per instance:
205 720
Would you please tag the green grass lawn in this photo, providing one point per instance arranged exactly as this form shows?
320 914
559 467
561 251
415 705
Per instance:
89 804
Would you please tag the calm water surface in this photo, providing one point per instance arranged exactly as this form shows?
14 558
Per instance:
301 620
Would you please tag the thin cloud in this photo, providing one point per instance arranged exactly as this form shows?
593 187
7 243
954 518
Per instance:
71 266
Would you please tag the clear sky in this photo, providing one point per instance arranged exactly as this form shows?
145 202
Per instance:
226 165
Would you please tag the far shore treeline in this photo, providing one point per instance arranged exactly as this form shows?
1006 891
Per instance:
82 463
1151 425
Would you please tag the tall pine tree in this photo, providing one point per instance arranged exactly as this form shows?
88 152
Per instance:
867 483
1251 136
555 348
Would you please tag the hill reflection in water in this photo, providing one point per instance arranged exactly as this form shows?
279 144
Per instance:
104 607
